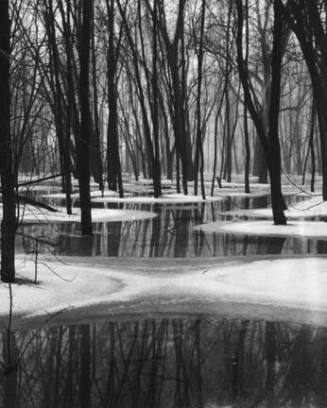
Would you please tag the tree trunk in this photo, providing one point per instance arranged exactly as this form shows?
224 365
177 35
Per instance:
199 159
96 156
274 156
8 225
83 143
113 156
270 139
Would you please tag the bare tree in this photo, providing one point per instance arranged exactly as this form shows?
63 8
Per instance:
269 137
83 141
8 182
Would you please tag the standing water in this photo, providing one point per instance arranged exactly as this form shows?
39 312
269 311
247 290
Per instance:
170 362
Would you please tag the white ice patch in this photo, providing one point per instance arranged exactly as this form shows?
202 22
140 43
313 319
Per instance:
313 207
281 289
30 214
164 199
302 229
95 193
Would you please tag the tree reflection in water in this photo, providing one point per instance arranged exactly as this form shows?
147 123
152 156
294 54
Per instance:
166 363
170 234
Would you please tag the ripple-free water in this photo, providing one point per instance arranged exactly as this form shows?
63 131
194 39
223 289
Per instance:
166 363
170 234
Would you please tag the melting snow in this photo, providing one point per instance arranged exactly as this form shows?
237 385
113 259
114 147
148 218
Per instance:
292 289
303 229
164 199
30 214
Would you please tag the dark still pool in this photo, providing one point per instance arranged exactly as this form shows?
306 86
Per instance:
166 363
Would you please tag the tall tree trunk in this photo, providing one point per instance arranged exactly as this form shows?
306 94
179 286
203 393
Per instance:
307 20
96 155
8 179
63 135
113 155
270 140
274 158
199 159
154 110
83 143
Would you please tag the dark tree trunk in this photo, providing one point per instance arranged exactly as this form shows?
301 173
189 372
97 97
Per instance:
152 149
8 179
83 143
154 110
259 162
175 50
307 20
270 140
63 135
113 155
245 111
199 159
274 157
312 151
247 151
96 156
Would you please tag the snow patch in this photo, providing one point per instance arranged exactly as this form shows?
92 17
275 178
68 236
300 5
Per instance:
302 229
29 214
291 289
164 199
313 207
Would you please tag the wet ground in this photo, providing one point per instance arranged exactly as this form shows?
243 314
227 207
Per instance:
176 362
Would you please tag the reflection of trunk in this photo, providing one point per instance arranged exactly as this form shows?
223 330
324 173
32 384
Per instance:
199 363
177 325
110 388
237 363
155 237
300 375
182 226
114 238
10 369
270 343
85 376
68 392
